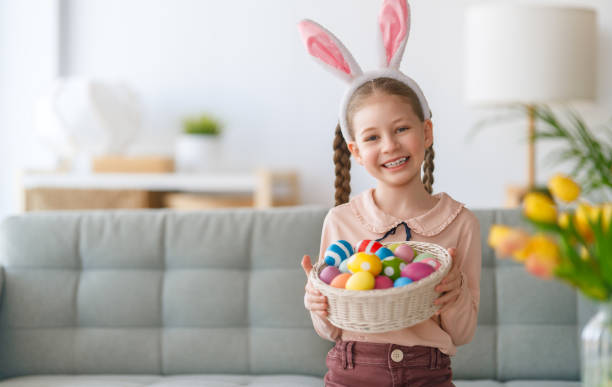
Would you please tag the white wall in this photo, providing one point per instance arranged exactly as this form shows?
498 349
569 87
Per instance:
28 62
244 61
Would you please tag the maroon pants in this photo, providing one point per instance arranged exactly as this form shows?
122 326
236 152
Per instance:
356 363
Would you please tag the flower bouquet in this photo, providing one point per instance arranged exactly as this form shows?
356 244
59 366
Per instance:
575 246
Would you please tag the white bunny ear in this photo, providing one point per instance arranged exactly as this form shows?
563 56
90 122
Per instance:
394 23
328 50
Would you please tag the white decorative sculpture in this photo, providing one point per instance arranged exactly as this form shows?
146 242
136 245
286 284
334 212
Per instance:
83 117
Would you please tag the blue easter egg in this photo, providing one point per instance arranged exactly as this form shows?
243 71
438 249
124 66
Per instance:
383 253
401 281
338 252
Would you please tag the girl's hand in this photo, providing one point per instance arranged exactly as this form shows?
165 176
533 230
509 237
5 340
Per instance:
450 286
313 299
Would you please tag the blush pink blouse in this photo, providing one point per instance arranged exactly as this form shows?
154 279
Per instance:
448 224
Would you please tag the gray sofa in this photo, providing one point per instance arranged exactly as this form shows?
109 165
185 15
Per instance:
215 298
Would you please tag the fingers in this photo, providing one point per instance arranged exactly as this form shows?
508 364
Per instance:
306 265
447 298
451 281
449 286
315 302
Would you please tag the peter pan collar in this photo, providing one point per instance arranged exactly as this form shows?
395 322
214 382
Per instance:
430 223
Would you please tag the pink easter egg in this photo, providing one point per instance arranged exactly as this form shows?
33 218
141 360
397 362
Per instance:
417 270
328 274
432 262
405 253
383 282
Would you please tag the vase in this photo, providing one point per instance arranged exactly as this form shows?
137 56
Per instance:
597 348
196 153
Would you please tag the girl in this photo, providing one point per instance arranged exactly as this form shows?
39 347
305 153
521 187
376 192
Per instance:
385 124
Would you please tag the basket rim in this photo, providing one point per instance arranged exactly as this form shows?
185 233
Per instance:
443 256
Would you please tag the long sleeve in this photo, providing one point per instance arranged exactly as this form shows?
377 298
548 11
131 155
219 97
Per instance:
461 318
322 326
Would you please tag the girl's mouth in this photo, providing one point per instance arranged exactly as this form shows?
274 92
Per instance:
396 163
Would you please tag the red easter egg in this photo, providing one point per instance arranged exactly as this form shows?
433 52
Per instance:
383 282
368 246
417 270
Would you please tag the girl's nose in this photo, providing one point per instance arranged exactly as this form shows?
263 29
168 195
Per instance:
390 143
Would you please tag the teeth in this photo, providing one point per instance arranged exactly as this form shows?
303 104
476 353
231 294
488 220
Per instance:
396 162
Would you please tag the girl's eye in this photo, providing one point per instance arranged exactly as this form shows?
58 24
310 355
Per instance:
371 138
402 129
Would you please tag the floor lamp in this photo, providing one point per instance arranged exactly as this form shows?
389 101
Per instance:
529 54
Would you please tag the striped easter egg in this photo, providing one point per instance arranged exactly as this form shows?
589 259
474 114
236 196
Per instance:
383 253
368 246
338 252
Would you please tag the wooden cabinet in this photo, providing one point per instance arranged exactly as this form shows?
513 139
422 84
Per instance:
60 191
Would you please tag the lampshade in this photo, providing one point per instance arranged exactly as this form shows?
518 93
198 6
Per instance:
521 53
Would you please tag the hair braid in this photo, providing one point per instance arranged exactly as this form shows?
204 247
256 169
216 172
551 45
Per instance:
342 164
428 168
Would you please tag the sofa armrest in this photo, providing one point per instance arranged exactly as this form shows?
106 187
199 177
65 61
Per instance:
1 283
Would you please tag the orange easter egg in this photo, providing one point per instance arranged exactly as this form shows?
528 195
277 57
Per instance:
340 280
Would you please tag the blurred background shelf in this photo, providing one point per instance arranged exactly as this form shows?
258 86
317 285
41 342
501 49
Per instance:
61 191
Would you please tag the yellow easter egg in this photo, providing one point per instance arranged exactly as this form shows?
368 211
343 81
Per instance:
361 280
365 262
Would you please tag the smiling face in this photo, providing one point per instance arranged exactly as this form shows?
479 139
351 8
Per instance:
390 139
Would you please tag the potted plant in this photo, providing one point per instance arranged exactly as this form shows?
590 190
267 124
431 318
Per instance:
197 148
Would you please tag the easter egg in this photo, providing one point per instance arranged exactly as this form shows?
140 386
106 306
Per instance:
368 246
401 281
328 274
392 267
393 246
405 252
365 262
338 252
382 282
362 280
383 253
417 270
432 262
423 256
344 266
340 280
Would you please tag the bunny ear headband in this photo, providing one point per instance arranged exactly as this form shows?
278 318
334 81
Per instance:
394 26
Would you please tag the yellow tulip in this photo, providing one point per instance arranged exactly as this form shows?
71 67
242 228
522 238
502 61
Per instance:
539 207
542 256
606 211
564 188
581 220
563 220
584 253
496 233
512 244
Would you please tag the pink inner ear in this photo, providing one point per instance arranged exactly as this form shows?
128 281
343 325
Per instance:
320 45
393 25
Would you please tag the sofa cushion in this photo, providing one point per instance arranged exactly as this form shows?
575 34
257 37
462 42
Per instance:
211 380
225 381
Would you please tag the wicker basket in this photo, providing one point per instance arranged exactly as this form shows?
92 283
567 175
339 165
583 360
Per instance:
384 310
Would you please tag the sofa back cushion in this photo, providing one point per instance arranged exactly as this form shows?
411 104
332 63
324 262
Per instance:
167 292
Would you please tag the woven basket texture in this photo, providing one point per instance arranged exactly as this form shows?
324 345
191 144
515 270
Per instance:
383 310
